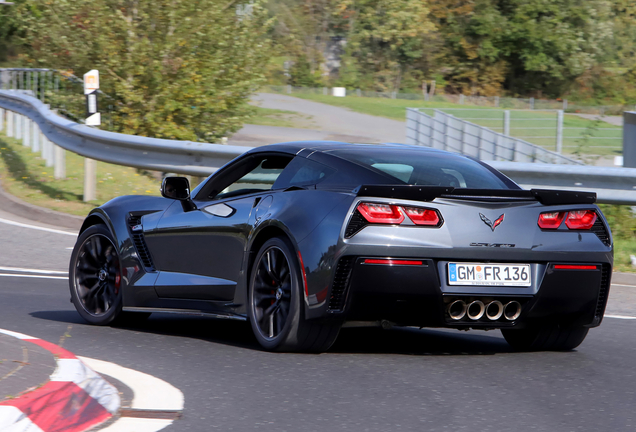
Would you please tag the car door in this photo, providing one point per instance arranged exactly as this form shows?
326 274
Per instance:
200 252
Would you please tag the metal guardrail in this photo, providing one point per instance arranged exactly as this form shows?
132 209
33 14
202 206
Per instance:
185 157
613 185
447 132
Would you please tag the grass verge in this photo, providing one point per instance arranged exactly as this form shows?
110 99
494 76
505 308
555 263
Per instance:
281 118
622 250
25 175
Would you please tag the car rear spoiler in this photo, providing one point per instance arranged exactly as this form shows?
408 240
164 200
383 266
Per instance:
429 193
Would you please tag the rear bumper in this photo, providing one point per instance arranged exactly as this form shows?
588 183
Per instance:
417 293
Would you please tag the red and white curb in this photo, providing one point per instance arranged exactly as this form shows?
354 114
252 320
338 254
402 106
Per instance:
74 399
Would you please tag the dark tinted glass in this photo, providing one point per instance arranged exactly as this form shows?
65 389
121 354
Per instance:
302 172
421 168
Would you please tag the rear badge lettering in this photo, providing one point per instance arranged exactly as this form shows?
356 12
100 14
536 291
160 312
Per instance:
494 224
494 245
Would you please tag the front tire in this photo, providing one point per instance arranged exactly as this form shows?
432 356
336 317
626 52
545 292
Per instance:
546 338
95 276
275 303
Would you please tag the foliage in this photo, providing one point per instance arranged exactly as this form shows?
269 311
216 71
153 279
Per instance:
386 38
622 221
178 69
301 74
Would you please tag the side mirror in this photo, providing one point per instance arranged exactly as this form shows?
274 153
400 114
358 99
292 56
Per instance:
177 188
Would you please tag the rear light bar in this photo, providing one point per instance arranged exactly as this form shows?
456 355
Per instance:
391 214
574 267
388 261
574 220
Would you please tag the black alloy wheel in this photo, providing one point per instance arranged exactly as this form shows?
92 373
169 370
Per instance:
272 292
276 305
95 276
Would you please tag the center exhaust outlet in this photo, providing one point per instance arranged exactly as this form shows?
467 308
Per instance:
512 310
494 310
476 310
457 310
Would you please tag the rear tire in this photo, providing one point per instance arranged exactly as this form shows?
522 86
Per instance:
547 338
276 306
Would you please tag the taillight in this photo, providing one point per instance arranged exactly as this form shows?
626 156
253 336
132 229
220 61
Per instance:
381 213
580 219
574 220
421 216
551 220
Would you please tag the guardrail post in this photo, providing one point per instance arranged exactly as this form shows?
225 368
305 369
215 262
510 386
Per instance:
531 103
18 126
60 162
90 179
10 124
36 138
565 104
42 141
559 132
506 123
461 141
26 129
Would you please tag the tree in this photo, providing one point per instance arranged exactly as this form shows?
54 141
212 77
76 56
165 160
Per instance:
178 69
385 38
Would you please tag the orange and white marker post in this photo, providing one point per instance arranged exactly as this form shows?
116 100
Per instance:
91 85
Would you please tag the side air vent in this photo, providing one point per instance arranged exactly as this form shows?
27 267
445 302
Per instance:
603 292
139 242
356 223
340 285
601 232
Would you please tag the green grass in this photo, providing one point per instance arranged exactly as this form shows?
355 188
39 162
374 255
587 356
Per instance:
574 141
622 250
281 118
25 175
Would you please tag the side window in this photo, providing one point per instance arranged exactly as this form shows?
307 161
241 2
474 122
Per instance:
302 172
255 175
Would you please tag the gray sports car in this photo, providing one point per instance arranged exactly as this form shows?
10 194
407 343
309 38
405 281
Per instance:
299 238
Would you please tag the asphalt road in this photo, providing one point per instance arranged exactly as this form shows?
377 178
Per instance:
371 380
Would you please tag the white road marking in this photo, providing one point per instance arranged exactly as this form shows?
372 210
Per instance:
16 334
33 276
621 285
150 392
34 227
129 424
625 317
38 271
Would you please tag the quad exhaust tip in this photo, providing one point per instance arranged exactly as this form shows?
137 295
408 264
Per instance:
457 310
494 310
475 310
512 310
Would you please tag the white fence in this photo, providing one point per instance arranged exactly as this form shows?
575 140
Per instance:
447 132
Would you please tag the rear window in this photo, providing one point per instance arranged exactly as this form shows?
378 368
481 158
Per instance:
426 168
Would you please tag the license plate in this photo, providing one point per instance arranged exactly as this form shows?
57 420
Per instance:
489 274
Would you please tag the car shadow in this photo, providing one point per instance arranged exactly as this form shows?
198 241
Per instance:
366 340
